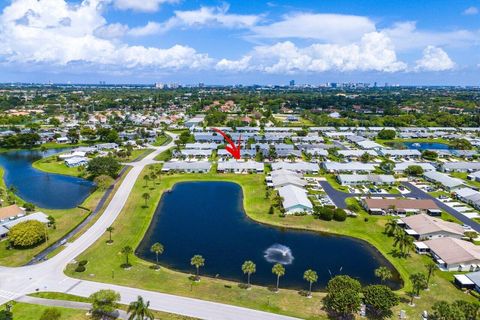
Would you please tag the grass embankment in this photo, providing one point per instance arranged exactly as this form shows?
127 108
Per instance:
368 228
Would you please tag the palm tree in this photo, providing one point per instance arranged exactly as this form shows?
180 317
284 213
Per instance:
419 282
391 227
146 197
248 267
138 310
383 273
278 270
404 242
110 230
157 248
197 261
146 179
311 276
431 268
126 251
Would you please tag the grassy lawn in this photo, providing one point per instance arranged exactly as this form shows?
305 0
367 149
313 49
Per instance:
334 182
369 228
136 153
162 140
52 165
27 311
165 155
71 297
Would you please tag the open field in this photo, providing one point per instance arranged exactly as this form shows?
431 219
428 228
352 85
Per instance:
107 259
27 311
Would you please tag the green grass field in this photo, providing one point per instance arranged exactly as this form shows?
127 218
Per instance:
27 311
369 228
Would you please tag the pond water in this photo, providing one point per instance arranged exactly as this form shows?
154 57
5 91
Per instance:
207 218
45 190
427 145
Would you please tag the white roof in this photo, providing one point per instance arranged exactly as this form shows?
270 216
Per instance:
461 165
295 166
240 165
401 166
185 165
38 216
349 166
368 144
294 196
444 179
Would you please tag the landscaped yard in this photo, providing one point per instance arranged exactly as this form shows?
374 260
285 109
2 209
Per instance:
162 140
370 228
52 165
27 311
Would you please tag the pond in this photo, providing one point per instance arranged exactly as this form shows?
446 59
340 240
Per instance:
207 218
426 145
45 190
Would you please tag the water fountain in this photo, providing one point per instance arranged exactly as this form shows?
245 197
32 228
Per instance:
279 253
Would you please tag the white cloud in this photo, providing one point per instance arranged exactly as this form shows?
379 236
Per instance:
242 64
146 30
405 36
141 5
57 33
471 11
434 59
334 28
374 52
211 16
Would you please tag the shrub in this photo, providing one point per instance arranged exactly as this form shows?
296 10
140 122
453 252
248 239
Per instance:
80 268
27 234
326 214
51 314
339 215
29 206
83 262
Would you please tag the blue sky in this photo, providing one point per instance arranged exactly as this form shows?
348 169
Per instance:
218 42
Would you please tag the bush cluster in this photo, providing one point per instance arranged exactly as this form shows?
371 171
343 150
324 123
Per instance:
329 213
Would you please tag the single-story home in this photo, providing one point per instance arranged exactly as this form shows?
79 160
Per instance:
398 205
186 166
453 254
402 166
400 153
362 179
11 212
474 176
76 162
303 167
468 281
295 199
470 196
422 227
240 166
445 180
460 166
348 166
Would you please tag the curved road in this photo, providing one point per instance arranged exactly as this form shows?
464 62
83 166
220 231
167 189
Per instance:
49 276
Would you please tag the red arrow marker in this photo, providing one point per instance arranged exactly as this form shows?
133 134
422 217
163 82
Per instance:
232 148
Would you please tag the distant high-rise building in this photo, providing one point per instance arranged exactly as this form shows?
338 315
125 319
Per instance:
292 83
159 85
201 85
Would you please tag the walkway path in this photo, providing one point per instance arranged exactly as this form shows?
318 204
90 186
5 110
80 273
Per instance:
49 276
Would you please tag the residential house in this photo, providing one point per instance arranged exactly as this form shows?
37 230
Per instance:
453 254
423 227
399 206
295 199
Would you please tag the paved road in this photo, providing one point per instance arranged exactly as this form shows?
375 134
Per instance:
339 197
49 276
418 193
